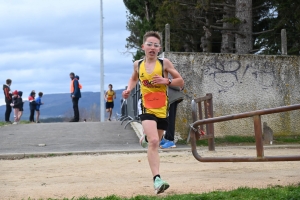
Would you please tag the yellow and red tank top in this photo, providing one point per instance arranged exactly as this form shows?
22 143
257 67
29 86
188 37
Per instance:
154 98
110 95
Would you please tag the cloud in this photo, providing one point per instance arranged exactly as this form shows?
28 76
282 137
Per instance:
43 41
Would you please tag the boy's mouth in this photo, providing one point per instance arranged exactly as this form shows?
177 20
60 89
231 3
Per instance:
152 52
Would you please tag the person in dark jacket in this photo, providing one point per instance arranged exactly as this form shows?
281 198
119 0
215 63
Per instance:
32 105
8 100
20 105
75 87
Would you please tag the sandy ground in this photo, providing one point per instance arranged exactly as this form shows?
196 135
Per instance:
129 174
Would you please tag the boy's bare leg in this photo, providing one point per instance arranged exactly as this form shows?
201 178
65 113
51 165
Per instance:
153 137
110 113
37 116
20 115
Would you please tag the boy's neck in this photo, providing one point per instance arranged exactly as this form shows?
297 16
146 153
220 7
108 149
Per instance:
150 60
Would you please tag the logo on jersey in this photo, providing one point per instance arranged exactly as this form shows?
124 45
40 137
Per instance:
149 84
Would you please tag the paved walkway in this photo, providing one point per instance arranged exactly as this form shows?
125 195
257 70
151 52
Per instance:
17 141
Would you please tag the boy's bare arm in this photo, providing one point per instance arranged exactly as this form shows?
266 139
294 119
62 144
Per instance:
177 80
132 81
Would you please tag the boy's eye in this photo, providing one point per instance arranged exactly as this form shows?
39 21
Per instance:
156 45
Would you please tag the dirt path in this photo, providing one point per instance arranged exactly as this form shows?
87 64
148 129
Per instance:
129 175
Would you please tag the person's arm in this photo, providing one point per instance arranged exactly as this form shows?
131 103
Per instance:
177 80
132 81
115 95
7 94
105 96
76 87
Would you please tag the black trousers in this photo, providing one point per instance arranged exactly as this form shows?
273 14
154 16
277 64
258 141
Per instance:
169 135
7 112
31 117
75 108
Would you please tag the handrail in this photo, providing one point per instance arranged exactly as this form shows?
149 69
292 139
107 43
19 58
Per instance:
246 114
258 135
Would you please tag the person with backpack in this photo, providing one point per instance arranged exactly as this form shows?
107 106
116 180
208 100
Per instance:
75 87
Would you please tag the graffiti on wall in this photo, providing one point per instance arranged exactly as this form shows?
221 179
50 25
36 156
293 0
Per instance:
227 74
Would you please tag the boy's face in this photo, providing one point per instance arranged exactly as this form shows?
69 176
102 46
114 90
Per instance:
151 47
110 87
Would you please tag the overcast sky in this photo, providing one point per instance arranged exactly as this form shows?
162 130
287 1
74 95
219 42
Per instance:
41 42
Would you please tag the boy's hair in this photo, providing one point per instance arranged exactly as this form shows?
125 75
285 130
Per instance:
72 73
151 34
8 81
110 85
40 94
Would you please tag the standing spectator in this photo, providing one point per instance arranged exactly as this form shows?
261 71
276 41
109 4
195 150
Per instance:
110 95
175 97
32 105
15 105
75 95
8 100
20 104
38 102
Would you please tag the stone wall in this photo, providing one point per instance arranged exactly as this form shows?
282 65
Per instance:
240 83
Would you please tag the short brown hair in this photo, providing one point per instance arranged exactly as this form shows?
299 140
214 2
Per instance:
152 34
40 94
8 81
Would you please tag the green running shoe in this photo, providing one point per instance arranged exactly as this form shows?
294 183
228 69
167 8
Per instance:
160 186
143 141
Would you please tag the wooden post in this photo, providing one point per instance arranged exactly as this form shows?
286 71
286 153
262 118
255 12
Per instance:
283 42
167 38
161 42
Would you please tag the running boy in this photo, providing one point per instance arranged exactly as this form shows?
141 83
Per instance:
152 74
38 102
110 95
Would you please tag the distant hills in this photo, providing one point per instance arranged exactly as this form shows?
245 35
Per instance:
60 105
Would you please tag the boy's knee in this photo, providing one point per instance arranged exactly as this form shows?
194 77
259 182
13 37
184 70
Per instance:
153 141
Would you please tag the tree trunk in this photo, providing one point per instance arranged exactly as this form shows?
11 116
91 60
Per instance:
206 39
228 36
243 44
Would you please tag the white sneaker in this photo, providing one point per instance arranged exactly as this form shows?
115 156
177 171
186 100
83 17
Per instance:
15 123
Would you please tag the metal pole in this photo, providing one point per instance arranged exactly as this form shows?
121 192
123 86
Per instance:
101 65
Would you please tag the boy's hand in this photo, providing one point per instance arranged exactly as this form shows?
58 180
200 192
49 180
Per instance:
159 80
125 94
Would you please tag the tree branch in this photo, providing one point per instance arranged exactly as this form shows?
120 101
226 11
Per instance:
221 4
258 33
221 28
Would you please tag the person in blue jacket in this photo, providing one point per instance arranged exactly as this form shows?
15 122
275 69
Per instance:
75 87
38 102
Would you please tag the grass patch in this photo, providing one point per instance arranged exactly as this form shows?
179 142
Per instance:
230 140
2 123
291 192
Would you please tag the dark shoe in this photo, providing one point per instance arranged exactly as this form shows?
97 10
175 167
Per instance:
9 122
72 120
